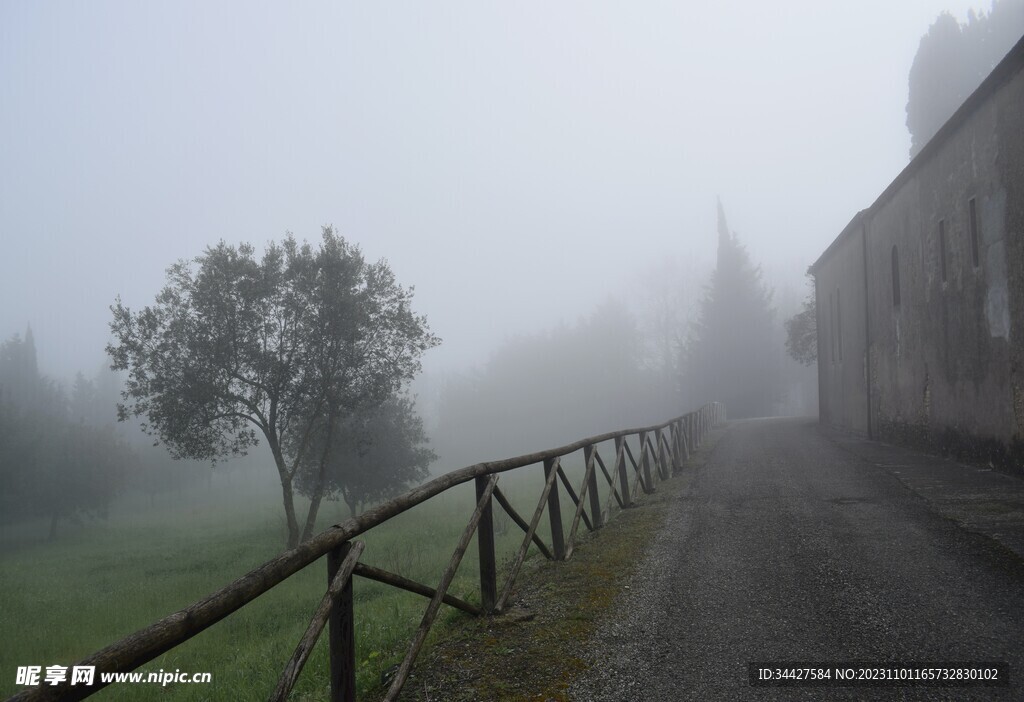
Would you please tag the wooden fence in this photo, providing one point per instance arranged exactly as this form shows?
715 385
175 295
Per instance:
661 450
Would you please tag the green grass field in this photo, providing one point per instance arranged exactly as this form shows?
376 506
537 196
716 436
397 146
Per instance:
61 600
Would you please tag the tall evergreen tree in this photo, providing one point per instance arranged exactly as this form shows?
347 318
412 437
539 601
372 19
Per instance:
20 383
730 354
952 60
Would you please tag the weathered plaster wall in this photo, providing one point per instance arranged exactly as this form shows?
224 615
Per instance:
1010 161
939 358
839 293
945 365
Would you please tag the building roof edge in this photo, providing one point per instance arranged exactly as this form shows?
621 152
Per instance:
1007 68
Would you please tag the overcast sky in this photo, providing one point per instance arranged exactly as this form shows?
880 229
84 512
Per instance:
515 161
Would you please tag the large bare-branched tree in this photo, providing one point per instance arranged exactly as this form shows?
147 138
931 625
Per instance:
236 348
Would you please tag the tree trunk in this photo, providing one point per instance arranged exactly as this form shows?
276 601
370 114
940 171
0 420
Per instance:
353 504
321 481
289 511
287 495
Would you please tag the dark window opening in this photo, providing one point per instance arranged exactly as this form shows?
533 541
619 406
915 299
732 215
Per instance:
942 248
972 207
832 336
895 277
839 326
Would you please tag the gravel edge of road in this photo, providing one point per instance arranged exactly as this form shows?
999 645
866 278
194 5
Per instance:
539 647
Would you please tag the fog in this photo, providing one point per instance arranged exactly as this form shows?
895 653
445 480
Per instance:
515 162
606 211
545 176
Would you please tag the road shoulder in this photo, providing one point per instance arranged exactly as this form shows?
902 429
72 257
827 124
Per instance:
978 498
536 649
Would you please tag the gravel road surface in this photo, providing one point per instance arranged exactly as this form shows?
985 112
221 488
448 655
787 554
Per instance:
786 547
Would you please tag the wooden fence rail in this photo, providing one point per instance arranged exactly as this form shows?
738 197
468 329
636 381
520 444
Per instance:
661 451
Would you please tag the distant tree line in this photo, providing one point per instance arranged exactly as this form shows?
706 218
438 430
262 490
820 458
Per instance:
310 351
551 387
616 368
56 461
63 457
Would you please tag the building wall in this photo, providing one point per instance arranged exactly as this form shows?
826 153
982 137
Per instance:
839 292
943 365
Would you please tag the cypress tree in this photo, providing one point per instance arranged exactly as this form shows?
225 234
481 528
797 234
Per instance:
730 354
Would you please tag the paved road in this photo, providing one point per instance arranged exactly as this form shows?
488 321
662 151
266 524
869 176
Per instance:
788 546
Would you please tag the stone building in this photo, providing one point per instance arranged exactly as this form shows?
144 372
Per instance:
920 299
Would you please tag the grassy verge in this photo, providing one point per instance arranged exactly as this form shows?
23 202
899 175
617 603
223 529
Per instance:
99 582
61 601
533 652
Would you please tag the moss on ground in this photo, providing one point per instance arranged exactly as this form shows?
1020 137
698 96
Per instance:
533 651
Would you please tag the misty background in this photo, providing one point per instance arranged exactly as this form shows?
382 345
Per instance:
545 175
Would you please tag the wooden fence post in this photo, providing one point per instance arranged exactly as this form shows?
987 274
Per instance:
595 498
673 435
620 468
341 632
682 454
485 543
645 463
555 513
663 471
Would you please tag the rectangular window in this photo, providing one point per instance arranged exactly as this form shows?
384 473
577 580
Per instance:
942 248
895 277
973 224
832 310
839 326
